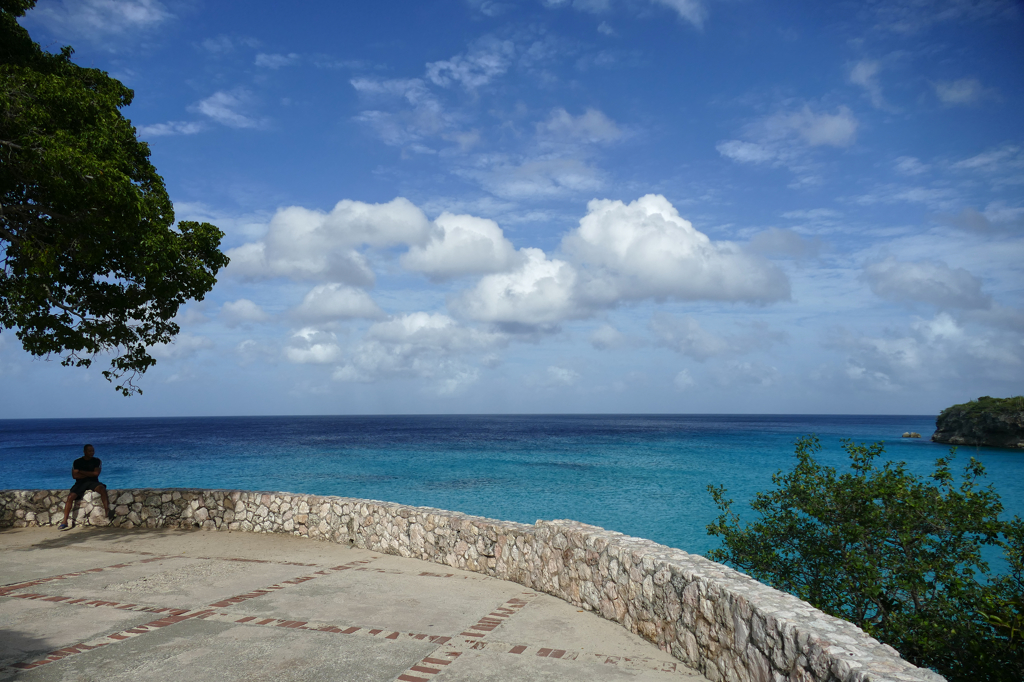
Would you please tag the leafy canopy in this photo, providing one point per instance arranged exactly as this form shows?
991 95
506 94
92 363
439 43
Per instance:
898 555
90 259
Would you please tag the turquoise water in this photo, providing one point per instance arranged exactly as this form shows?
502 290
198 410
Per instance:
643 475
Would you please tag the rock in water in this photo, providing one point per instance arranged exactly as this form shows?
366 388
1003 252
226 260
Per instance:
997 422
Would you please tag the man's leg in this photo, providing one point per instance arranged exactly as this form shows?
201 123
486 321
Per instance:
102 490
67 507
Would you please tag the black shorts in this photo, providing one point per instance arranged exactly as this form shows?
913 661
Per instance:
82 485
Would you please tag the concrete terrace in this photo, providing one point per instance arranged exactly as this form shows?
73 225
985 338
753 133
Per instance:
107 604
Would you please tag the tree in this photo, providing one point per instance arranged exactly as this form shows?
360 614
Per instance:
898 555
92 261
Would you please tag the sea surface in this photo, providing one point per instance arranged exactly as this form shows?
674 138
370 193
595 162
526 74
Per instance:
643 475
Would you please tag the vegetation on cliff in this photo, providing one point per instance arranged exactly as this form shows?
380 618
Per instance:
997 422
897 554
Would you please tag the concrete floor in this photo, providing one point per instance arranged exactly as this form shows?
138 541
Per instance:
95 604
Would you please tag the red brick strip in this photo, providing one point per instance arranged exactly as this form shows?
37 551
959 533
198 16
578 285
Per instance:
8 589
496 618
429 666
175 616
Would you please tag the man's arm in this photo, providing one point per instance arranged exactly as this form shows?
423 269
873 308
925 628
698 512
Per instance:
93 473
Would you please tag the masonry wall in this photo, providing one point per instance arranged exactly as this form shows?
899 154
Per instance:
725 624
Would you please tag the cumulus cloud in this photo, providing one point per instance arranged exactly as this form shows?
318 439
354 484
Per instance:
539 292
461 245
484 61
685 336
421 345
306 244
310 346
591 127
929 351
692 11
644 249
182 346
242 312
336 302
226 108
926 282
959 92
96 19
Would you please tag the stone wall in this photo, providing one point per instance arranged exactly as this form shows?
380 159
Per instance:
717 620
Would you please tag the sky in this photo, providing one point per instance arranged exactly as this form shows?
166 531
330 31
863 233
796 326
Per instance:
572 206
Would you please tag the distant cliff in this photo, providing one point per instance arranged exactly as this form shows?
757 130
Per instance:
998 422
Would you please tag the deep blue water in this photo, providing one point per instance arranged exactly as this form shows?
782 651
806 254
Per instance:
643 475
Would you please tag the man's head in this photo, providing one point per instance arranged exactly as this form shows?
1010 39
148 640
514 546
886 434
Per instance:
89 451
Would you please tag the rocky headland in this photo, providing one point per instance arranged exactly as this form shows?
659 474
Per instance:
996 422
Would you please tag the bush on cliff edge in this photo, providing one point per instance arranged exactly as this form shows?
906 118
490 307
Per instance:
896 554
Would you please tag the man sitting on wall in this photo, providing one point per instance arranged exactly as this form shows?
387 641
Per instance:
86 472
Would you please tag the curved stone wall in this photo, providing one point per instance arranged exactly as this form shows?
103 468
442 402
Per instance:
725 624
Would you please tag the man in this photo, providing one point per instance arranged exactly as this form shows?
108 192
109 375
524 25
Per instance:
86 472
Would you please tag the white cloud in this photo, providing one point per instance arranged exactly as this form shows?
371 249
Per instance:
242 312
537 293
776 242
561 376
485 60
786 139
644 249
865 74
424 116
420 345
930 352
745 152
836 130
958 92
591 127
605 28
461 245
747 373
336 302
1000 160
607 337
182 346
683 380
539 178
692 11
170 128
95 19
223 107
685 336
909 165
305 244
310 346
926 282
276 61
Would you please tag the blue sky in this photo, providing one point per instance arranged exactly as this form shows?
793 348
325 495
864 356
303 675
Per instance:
573 205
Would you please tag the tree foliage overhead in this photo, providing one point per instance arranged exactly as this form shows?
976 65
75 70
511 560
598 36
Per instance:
90 258
898 555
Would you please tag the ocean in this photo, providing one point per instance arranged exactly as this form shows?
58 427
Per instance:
643 475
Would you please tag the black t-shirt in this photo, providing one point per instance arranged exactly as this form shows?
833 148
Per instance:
83 464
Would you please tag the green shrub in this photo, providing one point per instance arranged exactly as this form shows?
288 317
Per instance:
896 554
